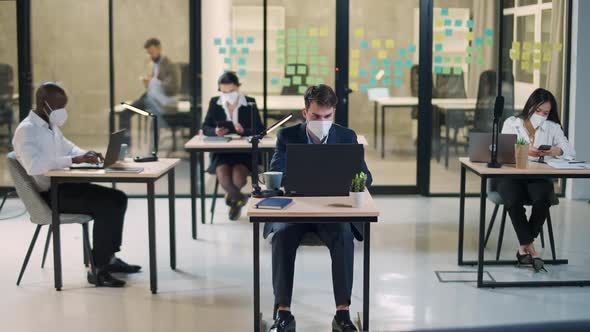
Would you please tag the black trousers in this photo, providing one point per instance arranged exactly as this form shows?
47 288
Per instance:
339 240
515 194
106 205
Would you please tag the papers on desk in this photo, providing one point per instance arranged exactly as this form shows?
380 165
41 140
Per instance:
567 164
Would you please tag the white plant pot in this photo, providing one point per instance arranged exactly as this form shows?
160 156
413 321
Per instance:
357 199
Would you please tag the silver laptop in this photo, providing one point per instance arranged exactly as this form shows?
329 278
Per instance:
112 153
480 147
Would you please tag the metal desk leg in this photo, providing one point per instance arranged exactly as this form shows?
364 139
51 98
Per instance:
202 192
375 125
366 274
461 217
482 225
382 132
172 218
193 172
256 243
152 237
56 235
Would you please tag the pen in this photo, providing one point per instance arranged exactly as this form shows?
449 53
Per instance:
576 162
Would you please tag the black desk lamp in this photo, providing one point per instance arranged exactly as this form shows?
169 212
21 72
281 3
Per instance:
498 110
256 191
154 156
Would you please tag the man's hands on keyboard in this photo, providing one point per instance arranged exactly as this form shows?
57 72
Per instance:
90 157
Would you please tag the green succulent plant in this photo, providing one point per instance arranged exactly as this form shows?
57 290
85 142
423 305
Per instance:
358 183
521 141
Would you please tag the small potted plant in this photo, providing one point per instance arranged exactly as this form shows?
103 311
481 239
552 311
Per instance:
357 190
521 153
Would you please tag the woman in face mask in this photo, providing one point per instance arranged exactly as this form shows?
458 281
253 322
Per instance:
232 113
539 125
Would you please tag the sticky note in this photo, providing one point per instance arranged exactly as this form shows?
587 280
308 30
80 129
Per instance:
324 71
458 23
397 63
457 70
412 48
524 65
447 59
292 50
242 72
469 35
301 70
354 74
525 56
409 63
382 54
514 55
302 41
302 50
438 47
323 60
374 62
217 41
372 82
319 80
468 60
292 31
313 32
538 46
250 40
302 89
291 70
488 32
354 86
446 70
386 62
376 43
323 32
280 61
359 32
354 63
386 81
355 53
287 81
547 46
546 57
296 80
374 72
478 49
313 41
480 61
398 82
274 81
389 43
402 52
228 41
448 22
438 59
557 46
240 40
386 72
469 24
302 32
444 12
438 69
438 37
301 59
280 50
246 50
314 50
280 32
448 32
227 61
364 44
233 50
314 70
489 41
438 22
222 50
458 59
537 56
516 45
469 49
363 72
398 72
526 46
537 66
478 41
242 61
292 59
364 88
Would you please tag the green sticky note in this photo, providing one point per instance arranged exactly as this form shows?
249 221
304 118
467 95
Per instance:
458 23
245 50
314 70
250 40
448 32
398 72
444 12
302 32
302 41
281 61
302 59
227 61
280 32
324 71
447 59
398 82
292 32
480 61
364 44
302 50
287 81
438 47
280 41
310 80
458 59
302 89
323 60
313 41
242 61
217 41
457 70
292 51
222 50
301 70
448 22
314 50
280 50
297 80
233 50
240 40
313 60
468 60
291 59
242 72
446 70
386 81
469 49
320 80
290 70
478 50
489 41
228 41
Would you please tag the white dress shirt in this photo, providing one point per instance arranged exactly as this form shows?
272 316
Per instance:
234 116
40 149
549 133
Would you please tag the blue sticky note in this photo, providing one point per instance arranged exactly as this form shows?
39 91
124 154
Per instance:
398 72
409 63
398 63
489 32
458 23
233 50
438 59
240 40
363 88
448 32
227 61
364 44
386 81
438 69
444 12
274 81
386 62
374 62
402 52
363 72
448 22
438 47
242 61
478 41
217 41
228 41
250 40
386 72
398 82
412 48
245 50
470 24
374 72
372 82
242 72
222 50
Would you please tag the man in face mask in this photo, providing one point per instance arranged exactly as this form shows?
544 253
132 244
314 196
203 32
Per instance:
319 128
40 147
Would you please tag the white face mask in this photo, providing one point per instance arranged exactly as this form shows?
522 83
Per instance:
230 97
537 120
57 117
319 128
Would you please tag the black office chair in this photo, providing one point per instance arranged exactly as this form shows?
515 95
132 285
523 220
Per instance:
6 110
486 97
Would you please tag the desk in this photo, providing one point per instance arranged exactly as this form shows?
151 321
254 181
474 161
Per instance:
315 210
281 105
507 171
197 148
151 173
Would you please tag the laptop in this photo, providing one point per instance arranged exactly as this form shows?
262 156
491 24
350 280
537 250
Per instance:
322 169
115 141
480 147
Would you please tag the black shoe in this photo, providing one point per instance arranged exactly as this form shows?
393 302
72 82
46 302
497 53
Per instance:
539 264
235 212
119 266
344 325
525 259
104 279
283 324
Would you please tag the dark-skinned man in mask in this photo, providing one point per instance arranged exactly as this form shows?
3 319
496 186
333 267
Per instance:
40 147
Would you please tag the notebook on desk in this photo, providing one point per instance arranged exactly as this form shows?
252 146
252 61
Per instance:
274 203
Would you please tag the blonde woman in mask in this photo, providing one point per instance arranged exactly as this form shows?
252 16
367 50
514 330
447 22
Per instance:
231 113
539 125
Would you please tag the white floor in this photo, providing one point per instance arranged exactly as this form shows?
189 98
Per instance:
212 288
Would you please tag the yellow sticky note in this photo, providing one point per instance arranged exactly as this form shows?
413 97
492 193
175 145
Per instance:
469 35
438 36
538 46
389 43
354 64
323 32
537 66
524 65
526 46
537 56
359 32
354 86
515 55
547 46
355 53
525 56
313 32
516 45
376 43
557 47
438 22
546 57
382 54
353 74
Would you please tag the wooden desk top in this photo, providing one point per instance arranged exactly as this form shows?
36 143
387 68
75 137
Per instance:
281 103
197 142
533 169
317 207
152 170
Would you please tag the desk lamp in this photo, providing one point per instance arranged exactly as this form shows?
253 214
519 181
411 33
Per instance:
154 156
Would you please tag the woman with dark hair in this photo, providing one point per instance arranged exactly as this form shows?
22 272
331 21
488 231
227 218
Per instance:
232 113
538 124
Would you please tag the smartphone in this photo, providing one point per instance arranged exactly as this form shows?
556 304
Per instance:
227 124
544 147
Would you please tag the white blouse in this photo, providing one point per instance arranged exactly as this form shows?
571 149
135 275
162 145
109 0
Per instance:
549 133
234 116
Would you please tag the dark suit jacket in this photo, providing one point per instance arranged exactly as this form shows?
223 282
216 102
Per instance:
215 113
297 134
168 75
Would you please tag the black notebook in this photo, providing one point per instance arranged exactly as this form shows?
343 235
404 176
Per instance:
274 203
